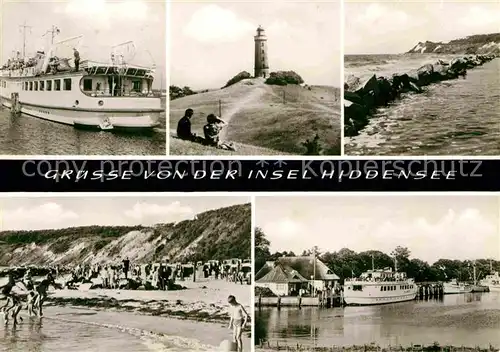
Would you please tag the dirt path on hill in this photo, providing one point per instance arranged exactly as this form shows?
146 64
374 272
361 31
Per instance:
251 97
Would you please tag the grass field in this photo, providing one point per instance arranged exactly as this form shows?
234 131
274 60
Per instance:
263 119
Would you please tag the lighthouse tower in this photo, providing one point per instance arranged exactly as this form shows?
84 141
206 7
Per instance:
261 63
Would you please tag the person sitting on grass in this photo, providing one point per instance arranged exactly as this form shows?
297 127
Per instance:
238 320
212 133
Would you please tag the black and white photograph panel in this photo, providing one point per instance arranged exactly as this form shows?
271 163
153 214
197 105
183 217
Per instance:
255 78
125 274
422 78
377 273
82 77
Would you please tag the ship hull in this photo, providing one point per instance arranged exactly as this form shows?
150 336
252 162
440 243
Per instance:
453 289
111 120
368 301
494 288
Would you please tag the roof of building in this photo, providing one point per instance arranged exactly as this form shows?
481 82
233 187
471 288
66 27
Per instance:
303 265
282 274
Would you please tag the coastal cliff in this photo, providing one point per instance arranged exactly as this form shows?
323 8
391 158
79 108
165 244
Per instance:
486 44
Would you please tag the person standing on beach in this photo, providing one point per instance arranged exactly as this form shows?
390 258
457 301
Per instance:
41 292
12 298
126 267
238 320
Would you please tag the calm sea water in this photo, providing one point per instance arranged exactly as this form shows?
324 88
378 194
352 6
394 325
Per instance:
456 117
26 135
77 330
461 320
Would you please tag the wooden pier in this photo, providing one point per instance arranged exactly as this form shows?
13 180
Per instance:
430 290
323 301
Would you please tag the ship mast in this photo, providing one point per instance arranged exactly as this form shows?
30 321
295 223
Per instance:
314 271
373 263
53 32
23 28
395 264
474 272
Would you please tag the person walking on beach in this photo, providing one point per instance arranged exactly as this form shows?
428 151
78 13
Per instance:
238 320
126 267
12 299
41 292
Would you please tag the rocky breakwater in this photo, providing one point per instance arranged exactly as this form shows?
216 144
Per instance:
362 99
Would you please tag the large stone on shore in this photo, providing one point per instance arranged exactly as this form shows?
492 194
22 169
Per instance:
353 97
370 85
413 76
401 83
425 75
352 83
385 92
355 118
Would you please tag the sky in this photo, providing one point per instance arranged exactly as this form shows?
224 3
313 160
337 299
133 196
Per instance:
103 24
395 26
432 227
212 42
35 213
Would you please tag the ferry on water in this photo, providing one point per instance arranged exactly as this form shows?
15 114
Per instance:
379 287
104 96
454 287
492 281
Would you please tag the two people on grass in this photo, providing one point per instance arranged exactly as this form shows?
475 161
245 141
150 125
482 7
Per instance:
211 131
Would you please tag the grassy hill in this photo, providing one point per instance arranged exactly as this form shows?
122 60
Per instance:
474 44
216 234
276 118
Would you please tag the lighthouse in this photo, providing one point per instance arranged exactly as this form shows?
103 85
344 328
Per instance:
261 63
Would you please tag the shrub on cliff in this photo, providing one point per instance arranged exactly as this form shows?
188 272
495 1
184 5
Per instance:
178 92
239 77
282 78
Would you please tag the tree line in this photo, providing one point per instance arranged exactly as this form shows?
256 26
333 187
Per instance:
347 263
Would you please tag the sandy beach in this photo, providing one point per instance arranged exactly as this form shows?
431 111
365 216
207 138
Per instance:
193 319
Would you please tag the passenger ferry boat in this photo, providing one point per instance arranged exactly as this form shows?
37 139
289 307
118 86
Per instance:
454 287
101 96
379 287
492 281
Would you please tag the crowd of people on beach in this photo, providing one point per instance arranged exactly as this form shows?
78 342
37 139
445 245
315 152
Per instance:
211 131
124 275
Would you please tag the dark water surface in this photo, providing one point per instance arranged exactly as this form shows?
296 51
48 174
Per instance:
463 320
456 117
27 135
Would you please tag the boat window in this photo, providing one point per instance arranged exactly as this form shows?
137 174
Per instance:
25 85
357 288
31 85
381 288
131 71
42 85
101 71
136 86
49 85
67 84
36 85
57 84
87 85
